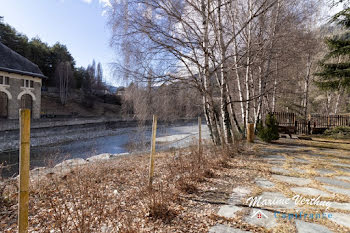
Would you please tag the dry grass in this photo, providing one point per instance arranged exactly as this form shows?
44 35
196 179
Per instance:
114 196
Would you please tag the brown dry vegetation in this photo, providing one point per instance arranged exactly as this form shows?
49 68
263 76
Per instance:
114 196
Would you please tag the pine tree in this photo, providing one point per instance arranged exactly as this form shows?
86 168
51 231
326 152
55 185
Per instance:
335 66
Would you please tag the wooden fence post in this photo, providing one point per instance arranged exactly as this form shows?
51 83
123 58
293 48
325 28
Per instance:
153 149
328 122
24 158
200 151
250 132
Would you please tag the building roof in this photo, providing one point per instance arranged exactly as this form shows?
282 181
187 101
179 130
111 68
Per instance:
12 62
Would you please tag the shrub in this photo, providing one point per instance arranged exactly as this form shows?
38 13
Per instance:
268 132
338 132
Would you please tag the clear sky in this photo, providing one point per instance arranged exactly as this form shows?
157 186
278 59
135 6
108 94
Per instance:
79 24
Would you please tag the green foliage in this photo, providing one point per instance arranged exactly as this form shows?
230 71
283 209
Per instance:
340 132
269 132
45 56
335 66
80 75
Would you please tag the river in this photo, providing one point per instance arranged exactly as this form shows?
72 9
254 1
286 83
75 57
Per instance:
125 140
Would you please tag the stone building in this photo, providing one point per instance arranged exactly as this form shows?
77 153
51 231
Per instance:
20 84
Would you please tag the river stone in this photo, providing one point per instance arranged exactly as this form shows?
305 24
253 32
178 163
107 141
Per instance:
279 170
298 170
241 191
347 178
324 171
267 220
315 155
71 162
305 227
341 219
341 164
263 183
333 182
310 191
220 228
341 206
292 180
38 170
105 156
285 149
237 194
344 169
337 190
229 211
301 160
275 159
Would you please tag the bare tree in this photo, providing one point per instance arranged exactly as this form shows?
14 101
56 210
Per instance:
64 75
215 46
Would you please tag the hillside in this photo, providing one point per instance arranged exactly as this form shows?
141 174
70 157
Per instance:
79 105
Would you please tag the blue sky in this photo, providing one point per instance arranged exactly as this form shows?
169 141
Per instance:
79 24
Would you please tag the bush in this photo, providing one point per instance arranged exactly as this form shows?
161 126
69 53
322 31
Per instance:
268 132
338 132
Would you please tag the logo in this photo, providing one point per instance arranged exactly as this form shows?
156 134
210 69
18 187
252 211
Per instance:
259 201
259 214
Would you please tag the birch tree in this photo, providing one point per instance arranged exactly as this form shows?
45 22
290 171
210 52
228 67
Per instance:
224 49
64 74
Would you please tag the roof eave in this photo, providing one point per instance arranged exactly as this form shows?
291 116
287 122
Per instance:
23 72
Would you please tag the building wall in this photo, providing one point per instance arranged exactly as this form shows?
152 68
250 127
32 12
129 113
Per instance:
16 90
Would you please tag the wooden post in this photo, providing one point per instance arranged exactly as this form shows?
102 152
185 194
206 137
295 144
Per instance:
24 170
250 132
328 122
153 149
199 138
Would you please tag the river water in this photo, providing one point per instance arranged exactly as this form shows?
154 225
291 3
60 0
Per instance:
125 140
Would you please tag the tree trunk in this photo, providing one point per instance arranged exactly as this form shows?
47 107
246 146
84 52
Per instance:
306 85
206 79
247 82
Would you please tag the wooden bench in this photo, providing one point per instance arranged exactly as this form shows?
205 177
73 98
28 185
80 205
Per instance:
318 130
287 130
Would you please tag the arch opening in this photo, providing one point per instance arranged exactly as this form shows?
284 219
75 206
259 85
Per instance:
3 105
27 102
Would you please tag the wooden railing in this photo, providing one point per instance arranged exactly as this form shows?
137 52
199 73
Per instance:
315 123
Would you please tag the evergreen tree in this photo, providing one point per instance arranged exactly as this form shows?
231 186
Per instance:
335 66
269 132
